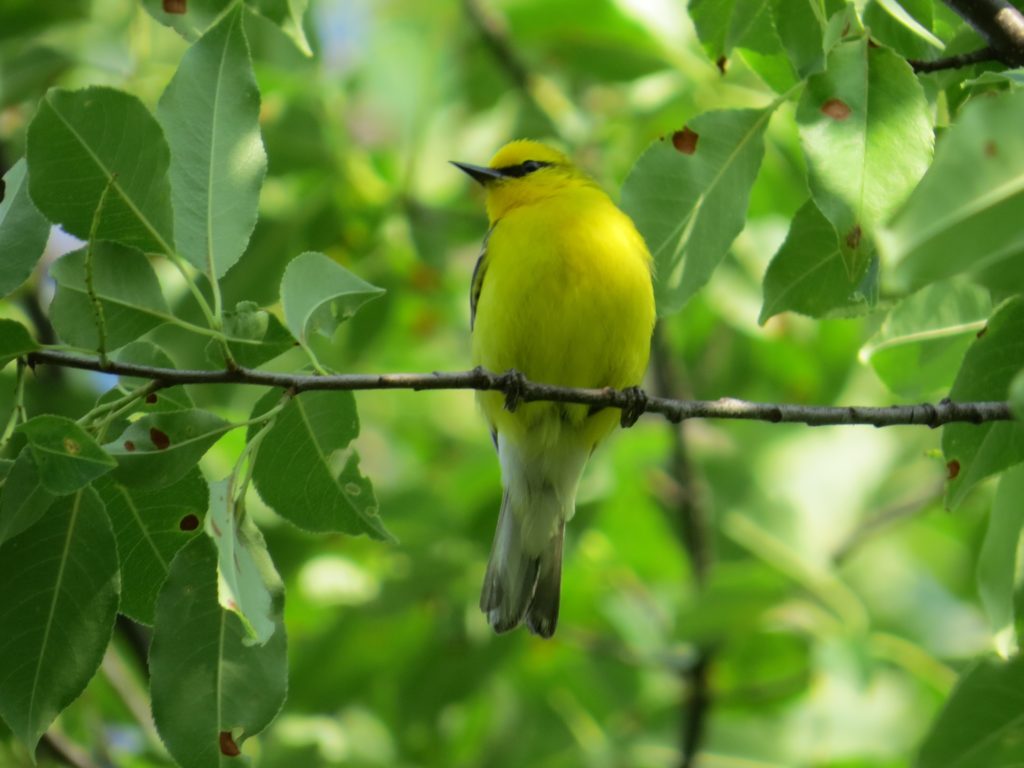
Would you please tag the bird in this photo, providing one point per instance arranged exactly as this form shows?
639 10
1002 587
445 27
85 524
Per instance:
561 294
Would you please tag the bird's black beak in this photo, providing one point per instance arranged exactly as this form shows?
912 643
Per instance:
479 173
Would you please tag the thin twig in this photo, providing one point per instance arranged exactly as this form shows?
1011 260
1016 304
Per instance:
926 414
988 53
694 521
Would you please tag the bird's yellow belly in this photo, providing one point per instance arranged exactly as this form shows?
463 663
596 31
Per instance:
574 308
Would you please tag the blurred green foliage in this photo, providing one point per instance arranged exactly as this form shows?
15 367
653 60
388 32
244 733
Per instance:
842 603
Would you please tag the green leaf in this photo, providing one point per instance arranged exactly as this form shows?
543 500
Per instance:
217 157
150 526
80 142
981 722
965 215
808 274
975 451
287 14
997 561
57 606
205 679
690 205
198 16
920 347
14 341
801 27
255 336
127 289
726 24
307 472
24 500
318 294
28 70
147 353
66 455
866 131
23 231
160 448
904 26
247 579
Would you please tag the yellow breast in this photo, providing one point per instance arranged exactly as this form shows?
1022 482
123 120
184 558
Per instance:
566 299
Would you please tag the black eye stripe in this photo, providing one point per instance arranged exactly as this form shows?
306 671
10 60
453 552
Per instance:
524 168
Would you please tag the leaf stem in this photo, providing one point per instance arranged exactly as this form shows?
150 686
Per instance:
90 287
248 456
18 410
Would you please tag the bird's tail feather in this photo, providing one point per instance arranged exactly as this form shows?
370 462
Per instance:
518 584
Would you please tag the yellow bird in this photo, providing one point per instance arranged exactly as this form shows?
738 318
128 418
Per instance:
562 294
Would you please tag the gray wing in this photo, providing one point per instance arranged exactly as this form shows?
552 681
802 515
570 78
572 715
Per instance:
479 271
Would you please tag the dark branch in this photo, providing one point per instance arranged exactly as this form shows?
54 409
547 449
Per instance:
987 53
999 22
695 527
927 414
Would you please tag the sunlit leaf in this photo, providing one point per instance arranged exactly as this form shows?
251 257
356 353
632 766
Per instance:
966 213
690 202
808 275
127 290
975 451
14 341
205 679
981 721
288 15
160 448
217 156
23 230
919 348
306 470
67 456
81 142
318 294
150 527
57 608
866 130
24 499
247 579
904 25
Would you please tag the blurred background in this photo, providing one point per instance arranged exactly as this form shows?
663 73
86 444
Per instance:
836 599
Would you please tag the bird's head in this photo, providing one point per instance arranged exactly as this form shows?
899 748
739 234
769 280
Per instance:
520 173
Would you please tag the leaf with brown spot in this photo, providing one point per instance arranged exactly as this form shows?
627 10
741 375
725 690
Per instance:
235 686
167 444
175 6
866 131
837 109
987 371
685 141
159 439
150 527
952 469
228 747
67 456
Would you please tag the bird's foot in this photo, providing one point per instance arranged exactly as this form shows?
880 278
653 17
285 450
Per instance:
636 404
514 384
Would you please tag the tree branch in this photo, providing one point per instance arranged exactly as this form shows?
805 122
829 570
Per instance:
694 519
514 386
988 53
999 22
